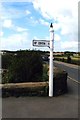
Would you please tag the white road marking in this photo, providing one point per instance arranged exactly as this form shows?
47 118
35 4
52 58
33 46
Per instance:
74 80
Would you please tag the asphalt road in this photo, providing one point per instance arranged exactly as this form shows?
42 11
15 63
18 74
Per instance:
64 106
72 70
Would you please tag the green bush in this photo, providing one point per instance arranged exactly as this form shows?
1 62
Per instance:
45 73
5 76
38 88
68 59
24 67
6 60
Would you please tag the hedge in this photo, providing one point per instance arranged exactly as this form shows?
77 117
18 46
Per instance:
37 88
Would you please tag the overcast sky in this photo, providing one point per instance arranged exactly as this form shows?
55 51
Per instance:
23 21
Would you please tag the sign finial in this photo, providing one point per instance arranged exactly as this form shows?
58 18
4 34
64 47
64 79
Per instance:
51 25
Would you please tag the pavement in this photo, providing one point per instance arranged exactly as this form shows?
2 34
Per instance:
63 106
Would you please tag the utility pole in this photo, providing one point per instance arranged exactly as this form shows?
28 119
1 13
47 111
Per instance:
51 61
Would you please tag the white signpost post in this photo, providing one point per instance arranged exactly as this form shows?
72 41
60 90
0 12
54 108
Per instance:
46 43
51 61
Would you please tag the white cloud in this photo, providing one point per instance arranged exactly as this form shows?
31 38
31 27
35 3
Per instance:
15 0
57 37
33 21
20 29
43 22
27 12
69 44
38 38
15 41
64 12
65 30
55 8
56 26
35 38
1 34
47 38
7 23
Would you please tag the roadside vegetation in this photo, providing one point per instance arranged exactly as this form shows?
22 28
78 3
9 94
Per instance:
23 66
68 57
26 73
31 66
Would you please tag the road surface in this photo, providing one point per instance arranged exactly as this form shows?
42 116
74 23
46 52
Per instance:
72 70
64 106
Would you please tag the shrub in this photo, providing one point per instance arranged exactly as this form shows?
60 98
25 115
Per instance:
68 59
38 88
25 67
62 59
45 72
6 60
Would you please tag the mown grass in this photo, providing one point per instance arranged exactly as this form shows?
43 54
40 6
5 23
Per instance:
74 60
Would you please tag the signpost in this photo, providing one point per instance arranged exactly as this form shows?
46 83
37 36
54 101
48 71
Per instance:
46 43
41 43
51 61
